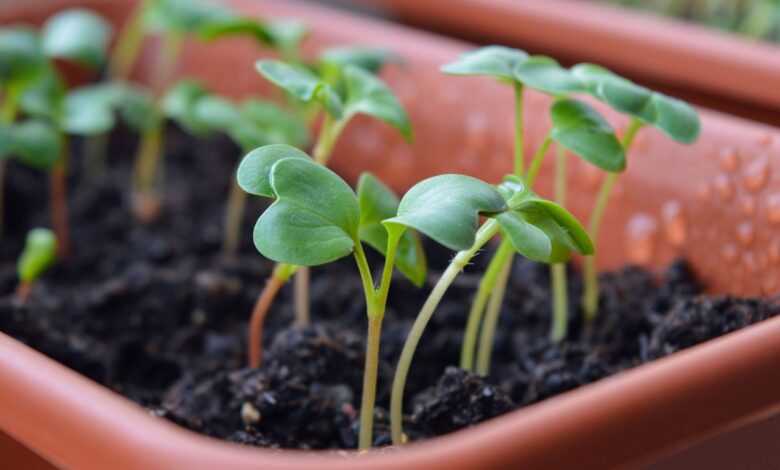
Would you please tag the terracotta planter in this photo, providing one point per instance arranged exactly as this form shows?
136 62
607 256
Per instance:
715 69
716 203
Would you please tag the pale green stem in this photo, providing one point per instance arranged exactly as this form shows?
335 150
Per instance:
536 163
485 233
590 299
558 271
301 297
486 285
491 319
519 157
128 45
234 214
376 300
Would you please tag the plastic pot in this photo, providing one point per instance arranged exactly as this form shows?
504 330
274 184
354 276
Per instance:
713 202
716 69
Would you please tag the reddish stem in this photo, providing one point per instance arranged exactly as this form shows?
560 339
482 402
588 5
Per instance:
59 210
262 306
23 292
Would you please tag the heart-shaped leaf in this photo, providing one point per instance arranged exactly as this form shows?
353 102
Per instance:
367 94
557 223
545 74
34 142
527 239
377 203
674 117
447 207
21 55
264 123
495 61
581 129
315 218
40 252
77 34
89 110
301 84
254 171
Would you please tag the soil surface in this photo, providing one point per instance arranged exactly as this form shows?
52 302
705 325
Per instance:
155 313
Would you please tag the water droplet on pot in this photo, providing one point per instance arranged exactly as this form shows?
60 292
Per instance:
674 223
745 233
641 231
724 187
729 252
756 174
748 205
773 208
729 159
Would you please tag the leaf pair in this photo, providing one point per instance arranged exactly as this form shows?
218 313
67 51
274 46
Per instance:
672 116
362 92
251 124
34 142
447 209
316 218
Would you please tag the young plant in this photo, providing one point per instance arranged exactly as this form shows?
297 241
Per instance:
250 124
315 219
40 253
575 126
674 117
355 91
31 83
447 208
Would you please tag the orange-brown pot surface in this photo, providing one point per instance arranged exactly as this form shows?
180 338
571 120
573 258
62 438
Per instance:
716 203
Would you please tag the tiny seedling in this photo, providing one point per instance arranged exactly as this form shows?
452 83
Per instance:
674 117
315 219
250 124
575 126
354 90
447 209
40 253
32 84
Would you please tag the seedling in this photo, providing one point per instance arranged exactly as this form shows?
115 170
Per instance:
40 253
575 126
250 124
674 117
447 209
315 219
354 91
31 82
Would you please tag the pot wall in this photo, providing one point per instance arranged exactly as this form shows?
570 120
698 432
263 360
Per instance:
666 205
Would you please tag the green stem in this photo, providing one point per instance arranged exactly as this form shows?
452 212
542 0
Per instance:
558 279
536 163
128 45
488 282
329 134
590 299
376 300
491 319
7 116
301 300
519 157
485 233
167 60
233 217
148 158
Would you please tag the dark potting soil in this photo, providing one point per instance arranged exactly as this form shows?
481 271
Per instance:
155 313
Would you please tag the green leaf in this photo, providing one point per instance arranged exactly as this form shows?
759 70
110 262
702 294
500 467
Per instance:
377 203
184 16
301 84
545 74
21 54
367 94
78 35
40 252
581 129
225 27
44 95
36 143
674 117
135 105
370 59
89 110
199 111
557 222
527 239
287 34
314 219
447 207
496 61
254 171
264 123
